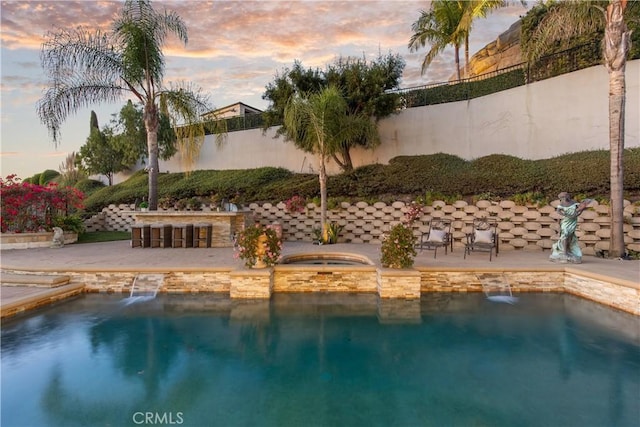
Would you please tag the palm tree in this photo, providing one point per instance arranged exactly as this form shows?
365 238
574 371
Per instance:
438 27
318 123
87 68
471 10
569 19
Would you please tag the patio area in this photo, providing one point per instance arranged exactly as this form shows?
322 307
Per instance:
119 256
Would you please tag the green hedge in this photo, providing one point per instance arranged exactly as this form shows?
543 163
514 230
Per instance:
467 89
585 173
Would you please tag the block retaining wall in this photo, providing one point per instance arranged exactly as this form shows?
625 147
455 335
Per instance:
521 227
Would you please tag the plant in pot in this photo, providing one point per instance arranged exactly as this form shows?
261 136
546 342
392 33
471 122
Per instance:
181 204
398 247
258 246
194 203
165 203
144 206
214 201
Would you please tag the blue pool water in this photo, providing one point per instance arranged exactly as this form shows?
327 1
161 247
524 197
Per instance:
321 360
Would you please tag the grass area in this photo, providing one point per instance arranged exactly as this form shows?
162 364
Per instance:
103 236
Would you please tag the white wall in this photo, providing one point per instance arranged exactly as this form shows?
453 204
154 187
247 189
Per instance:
564 114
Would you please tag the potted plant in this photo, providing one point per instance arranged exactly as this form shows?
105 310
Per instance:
398 247
144 206
214 202
165 203
181 204
258 246
194 204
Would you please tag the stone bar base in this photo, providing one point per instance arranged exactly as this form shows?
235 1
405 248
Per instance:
398 283
251 283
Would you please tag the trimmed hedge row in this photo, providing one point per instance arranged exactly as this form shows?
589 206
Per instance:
584 173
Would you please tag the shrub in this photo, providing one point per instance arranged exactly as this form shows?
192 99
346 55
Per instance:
398 247
26 207
295 204
502 175
47 176
71 223
423 178
35 179
88 186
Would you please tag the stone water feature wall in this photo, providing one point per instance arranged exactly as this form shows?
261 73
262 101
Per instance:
521 227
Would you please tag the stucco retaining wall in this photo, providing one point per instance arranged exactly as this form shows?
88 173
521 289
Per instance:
564 114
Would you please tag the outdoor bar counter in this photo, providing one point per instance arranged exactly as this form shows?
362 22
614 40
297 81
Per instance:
224 224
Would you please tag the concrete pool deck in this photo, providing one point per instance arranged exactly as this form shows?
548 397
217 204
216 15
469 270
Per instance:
120 257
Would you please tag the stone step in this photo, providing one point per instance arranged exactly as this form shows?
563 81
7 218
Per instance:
35 280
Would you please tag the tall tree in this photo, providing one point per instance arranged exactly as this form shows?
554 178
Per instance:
92 67
364 86
130 138
319 123
439 27
573 18
99 155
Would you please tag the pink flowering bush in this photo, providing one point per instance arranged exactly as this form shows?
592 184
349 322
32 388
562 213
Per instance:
295 204
27 208
413 213
247 241
398 247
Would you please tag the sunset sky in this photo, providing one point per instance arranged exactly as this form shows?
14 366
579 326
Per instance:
235 49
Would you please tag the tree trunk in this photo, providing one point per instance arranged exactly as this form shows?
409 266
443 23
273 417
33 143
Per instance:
466 56
457 55
347 163
151 123
616 46
323 194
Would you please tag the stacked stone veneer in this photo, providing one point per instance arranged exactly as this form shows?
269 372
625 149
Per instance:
521 227
387 284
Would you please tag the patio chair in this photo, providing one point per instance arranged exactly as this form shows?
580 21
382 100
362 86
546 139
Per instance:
483 237
438 236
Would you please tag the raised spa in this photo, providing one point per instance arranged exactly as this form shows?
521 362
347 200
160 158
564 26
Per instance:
326 259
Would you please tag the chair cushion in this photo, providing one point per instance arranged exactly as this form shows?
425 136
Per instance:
483 236
437 236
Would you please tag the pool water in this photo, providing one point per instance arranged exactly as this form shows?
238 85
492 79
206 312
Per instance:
321 360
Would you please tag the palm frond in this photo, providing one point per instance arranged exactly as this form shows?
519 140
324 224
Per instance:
185 104
438 27
564 20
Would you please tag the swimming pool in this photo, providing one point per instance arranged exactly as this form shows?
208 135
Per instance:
321 360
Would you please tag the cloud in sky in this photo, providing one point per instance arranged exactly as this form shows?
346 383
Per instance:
235 49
